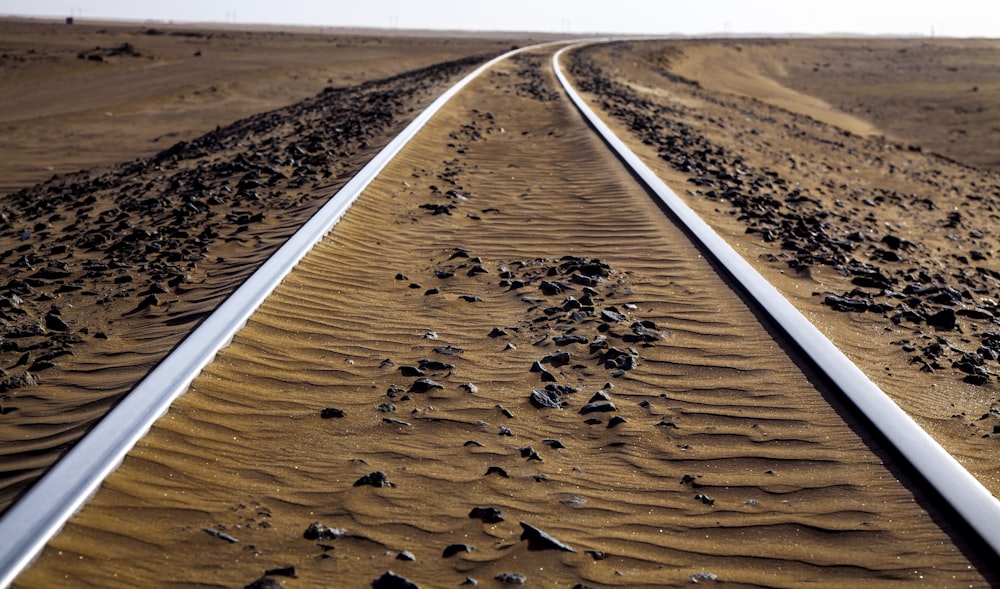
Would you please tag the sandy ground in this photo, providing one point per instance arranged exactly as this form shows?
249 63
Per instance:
888 249
106 269
514 253
777 481
94 94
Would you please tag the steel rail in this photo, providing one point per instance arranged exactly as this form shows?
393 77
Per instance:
38 515
966 495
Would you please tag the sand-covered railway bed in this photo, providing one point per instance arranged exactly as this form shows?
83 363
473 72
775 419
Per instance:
851 204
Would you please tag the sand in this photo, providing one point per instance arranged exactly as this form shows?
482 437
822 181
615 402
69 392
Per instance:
107 268
74 98
903 233
732 461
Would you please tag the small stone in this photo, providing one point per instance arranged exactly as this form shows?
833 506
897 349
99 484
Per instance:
539 540
489 515
453 549
973 379
553 443
703 577
547 376
530 453
149 301
24 379
406 555
543 398
220 535
448 350
374 479
55 323
390 580
504 431
497 332
944 319
612 315
550 288
846 304
265 583
599 406
469 387
557 359
422 385
285 571
497 471
156 288
616 421
317 531
434 365
642 333
331 412
704 499
599 396
410 371
511 578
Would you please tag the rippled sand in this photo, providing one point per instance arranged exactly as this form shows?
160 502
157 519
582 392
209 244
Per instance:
732 463
105 270
833 181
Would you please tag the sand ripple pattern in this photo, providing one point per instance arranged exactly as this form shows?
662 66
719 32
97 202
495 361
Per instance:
105 271
731 463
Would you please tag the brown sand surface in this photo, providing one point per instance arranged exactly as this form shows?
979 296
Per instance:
106 269
466 260
940 94
97 93
889 249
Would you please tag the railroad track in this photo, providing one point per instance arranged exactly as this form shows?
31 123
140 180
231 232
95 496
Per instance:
35 519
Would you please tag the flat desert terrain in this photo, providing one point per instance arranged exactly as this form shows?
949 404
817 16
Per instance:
504 366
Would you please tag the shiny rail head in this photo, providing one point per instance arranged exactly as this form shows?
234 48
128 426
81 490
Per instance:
29 524
949 479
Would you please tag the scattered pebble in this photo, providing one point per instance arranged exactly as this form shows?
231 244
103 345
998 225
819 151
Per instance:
374 479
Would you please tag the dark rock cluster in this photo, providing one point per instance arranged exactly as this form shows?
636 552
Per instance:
104 53
568 316
536 83
83 254
952 314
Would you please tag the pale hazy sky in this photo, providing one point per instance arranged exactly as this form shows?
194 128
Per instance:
960 18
